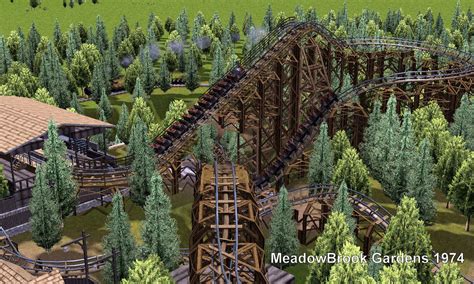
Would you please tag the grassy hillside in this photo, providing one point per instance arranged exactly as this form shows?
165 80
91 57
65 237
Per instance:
19 13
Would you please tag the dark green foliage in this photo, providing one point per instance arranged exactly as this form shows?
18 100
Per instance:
34 3
321 162
46 222
248 23
105 106
53 78
374 267
159 230
164 80
138 91
192 74
100 83
218 65
122 130
112 63
230 142
406 234
3 184
154 24
170 25
148 75
5 57
336 233
120 238
461 189
203 150
58 172
463 124
143 165
101 38
268 21
75 104
371 134
182 25
421 182
283 232
343 205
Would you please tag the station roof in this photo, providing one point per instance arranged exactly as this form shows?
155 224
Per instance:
24 124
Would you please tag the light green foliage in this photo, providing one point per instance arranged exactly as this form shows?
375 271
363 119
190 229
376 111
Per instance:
403 272
131 74
58 172
350 272
351 170
449 273
336 233
159 230
46 222
407 234
321 162
80 69
283 232
142 110
42 95
461 189
120 238
148 271
339 144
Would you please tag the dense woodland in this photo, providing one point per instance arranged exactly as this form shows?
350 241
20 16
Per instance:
410 154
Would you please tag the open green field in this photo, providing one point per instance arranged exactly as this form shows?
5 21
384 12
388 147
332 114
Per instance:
19 13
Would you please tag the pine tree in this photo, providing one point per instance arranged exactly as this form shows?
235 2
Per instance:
350 272
159 230
351 170
58 172
143 165
120 238
461 189
374 267
463 124
164 80
400 165
104 105
339 144
176 110
138 91
33 39
203 149
248 23
46 222
268 20
449 162
122 130
407 234
75 104
343 205
5 57
112 63
457 13
148 75
421 182
449 273
99 83
336 233
399 272
150 270
218 66
142 110
182 25
192 75
321 162
371 133
283 232
101 39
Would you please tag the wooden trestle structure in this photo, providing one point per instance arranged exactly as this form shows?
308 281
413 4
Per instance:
226 245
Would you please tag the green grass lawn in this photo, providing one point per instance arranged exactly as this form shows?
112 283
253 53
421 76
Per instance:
19 13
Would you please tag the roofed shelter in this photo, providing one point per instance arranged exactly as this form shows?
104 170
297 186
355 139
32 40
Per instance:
23 130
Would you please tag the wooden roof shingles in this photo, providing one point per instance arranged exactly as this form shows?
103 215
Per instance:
23 120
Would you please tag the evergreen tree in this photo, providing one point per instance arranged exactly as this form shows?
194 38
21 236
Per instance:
268 21
283 232
99 83
400 166
371 133
407 234
150 270
3 184
232 19
154 24
143 165
57 35
142 110
449 162
75 104
321 162
112 63
159 230
182 25
5 57
120 238
58 173
138 91
192 75
80 70
421 182
343 205
336 233
457 13
203 149
33 39
148 75
164 80
122 130
104 104
248 23
131 74
46 222
350 272
101 39
461 189
218 66
463 124
339 144
176 110
374 267
449 273
351 170
399 272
